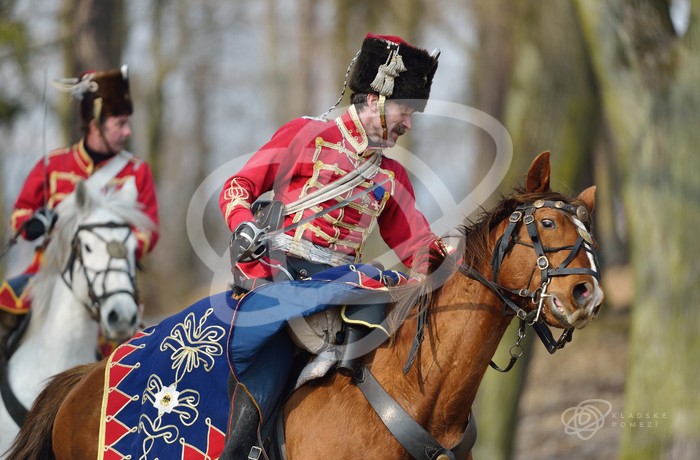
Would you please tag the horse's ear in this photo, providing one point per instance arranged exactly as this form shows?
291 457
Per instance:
588 198
82 196
538 175
129 190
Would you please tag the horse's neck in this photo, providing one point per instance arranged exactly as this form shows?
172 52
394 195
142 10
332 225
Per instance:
59 336
464 329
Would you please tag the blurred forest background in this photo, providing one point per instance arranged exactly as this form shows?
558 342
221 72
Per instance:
609 86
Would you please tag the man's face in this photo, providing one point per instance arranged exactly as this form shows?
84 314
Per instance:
398 118
116 131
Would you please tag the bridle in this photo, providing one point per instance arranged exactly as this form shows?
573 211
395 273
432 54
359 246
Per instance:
117 251
524 215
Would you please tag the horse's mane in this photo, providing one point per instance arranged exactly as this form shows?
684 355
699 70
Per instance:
475 249
71 216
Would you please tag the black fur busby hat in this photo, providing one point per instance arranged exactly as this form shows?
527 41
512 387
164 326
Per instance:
390 66
101 94
110 97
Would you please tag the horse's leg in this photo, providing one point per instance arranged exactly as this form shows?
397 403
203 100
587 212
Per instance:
77 425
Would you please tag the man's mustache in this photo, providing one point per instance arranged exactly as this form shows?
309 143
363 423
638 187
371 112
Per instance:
400 130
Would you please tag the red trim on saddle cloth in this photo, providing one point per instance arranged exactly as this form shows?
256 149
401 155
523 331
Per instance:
11 303
20 304
215 445
113 401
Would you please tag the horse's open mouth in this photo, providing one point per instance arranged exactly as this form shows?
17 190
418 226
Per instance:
557 309
578 318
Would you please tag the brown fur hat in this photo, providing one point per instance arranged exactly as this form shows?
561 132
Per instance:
107 96
391 66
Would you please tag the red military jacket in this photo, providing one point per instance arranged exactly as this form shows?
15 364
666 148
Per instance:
307 154
66 166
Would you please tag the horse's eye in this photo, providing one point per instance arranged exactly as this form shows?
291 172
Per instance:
87 248
548 223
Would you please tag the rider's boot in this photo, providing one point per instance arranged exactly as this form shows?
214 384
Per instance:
244 422
359 321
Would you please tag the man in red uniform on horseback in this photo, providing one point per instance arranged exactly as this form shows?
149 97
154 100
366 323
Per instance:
98 157
336 185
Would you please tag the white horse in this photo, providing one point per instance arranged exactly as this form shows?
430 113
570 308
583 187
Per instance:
87 282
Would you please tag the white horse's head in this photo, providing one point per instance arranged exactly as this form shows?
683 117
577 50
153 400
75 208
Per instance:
94 250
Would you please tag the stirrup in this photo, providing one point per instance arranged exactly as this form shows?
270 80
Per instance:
347 363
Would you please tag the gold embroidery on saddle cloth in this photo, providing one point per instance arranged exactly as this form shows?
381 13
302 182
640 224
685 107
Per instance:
192 345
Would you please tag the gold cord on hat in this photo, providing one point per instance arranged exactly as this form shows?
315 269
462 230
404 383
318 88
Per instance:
383 83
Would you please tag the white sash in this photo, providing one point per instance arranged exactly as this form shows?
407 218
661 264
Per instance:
109 170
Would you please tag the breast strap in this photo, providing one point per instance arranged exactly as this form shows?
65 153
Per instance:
410 434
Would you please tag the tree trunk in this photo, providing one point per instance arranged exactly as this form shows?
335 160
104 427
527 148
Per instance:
532 74
648 78
94 34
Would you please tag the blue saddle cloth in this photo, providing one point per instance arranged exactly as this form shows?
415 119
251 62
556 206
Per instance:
167 387
260 350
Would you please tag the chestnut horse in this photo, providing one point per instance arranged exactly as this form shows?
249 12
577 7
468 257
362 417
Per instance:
533 253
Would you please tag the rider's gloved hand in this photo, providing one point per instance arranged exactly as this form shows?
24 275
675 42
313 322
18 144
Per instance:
249 238
41 222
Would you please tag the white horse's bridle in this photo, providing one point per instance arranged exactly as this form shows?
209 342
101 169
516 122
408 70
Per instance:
117 251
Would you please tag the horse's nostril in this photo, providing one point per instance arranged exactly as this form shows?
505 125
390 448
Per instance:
134 320
112 318
581 293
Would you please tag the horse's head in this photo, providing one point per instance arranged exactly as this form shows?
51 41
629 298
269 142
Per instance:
101 265
545 251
